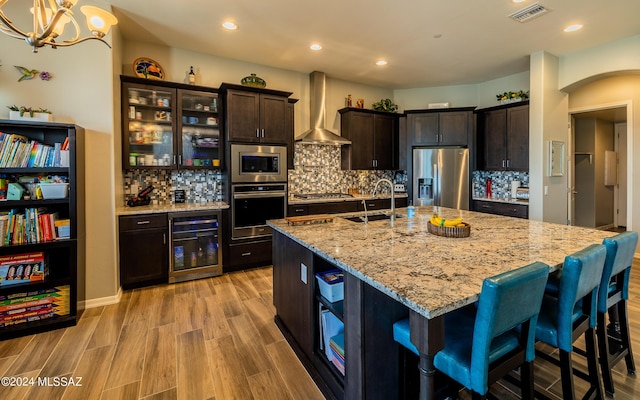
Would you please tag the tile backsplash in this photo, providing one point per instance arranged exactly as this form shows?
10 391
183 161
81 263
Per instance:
200 186
500 182
317 170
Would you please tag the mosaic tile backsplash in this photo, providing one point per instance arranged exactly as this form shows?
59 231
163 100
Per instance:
500 182
200 186
317 170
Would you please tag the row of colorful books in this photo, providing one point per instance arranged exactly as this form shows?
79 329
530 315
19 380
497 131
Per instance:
32 225
35 305
336 344
17 151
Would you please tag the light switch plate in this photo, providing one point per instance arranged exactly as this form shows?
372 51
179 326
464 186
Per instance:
303 273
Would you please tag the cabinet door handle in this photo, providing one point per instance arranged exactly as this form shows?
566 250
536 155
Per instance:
508 163
258 133
485 206
180 159
174 159
299 210
246 254
143 222
503 163
164 238
263 133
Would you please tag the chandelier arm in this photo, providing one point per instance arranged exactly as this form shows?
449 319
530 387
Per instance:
67 43
8 27
48 29
76 26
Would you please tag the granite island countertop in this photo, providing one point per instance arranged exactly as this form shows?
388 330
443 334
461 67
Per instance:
171 207
430 274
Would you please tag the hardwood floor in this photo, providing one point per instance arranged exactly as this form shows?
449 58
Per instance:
207 339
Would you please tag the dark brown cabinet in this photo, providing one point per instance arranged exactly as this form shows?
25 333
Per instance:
504 137
257 117
374 139
381 204
290 132
439 127
144 250
248 254
506 209
342 206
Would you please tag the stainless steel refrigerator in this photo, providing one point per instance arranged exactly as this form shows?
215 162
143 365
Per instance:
441 177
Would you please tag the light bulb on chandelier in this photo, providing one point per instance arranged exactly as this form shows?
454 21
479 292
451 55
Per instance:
50 19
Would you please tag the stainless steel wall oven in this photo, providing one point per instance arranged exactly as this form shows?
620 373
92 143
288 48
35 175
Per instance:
254 204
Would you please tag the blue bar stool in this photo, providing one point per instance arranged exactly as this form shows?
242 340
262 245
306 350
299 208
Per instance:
614 343
571 312
482 345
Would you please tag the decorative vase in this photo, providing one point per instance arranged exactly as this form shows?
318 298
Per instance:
37 117
253 81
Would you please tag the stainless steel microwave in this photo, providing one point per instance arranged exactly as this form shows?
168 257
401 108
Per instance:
256 163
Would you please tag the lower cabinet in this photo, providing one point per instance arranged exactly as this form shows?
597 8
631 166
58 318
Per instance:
247 254
371 357
342 207
382 204
506 209
144 250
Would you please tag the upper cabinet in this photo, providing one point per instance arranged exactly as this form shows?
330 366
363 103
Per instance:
256 115
374 139
169 125
439 127
503 136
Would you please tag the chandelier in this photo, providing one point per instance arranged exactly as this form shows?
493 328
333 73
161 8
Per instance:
49 21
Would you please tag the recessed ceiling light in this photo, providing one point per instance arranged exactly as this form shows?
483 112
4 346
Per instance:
381 62
229 25
573 28
315 47
518 1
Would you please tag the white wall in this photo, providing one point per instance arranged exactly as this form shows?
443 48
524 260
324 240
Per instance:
81 92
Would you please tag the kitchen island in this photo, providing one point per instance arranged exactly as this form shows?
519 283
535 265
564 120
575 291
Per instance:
393 270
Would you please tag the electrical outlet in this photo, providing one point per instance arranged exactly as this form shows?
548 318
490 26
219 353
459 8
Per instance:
303 273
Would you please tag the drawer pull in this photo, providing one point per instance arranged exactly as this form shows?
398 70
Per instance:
299 210
485 206
246 254
143 222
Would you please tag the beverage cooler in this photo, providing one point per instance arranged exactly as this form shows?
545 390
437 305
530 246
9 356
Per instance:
195 245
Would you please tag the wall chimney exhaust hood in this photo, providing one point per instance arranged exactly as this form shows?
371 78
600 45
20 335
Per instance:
318 134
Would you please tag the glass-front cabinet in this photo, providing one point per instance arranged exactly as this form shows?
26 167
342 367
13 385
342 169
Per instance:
200 142
168 126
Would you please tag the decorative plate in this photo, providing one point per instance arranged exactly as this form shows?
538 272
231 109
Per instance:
145 67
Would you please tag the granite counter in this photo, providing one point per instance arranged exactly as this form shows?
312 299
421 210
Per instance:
167 208
433 275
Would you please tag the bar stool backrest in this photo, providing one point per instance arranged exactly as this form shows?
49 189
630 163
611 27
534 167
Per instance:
620 251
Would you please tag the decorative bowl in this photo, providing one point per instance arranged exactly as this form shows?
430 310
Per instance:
253 81
450 231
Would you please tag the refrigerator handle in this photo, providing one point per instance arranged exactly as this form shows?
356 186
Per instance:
436 185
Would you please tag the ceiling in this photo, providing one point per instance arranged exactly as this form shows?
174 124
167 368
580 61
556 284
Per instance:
427 43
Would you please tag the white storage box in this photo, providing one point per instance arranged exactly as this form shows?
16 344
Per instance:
331 284
54 190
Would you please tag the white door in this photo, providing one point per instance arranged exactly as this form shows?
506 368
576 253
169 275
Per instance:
620 192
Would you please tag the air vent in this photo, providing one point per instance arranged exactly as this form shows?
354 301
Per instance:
534 10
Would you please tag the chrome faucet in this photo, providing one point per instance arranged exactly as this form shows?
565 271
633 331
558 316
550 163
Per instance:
393 197
365 219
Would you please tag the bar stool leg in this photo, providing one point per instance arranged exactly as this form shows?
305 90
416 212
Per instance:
566 372
603 346
624 333
592 364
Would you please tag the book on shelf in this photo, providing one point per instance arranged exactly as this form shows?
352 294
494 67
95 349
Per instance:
17 151
35 305
31 225
22 268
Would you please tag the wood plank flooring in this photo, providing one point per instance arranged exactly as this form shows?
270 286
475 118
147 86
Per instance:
207 339
210 339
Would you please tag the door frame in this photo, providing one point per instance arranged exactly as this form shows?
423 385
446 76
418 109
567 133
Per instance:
630 156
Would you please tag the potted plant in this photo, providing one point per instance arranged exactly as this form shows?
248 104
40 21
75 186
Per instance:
29 114
511 97
385 105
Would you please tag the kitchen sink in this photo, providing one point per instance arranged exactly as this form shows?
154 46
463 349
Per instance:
374 217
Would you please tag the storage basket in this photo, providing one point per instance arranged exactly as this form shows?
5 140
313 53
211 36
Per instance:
54 190
450 231
331 285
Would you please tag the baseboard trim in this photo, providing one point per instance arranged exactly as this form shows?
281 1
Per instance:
99 302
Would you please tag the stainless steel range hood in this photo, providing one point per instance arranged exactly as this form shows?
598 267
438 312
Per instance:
318 134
